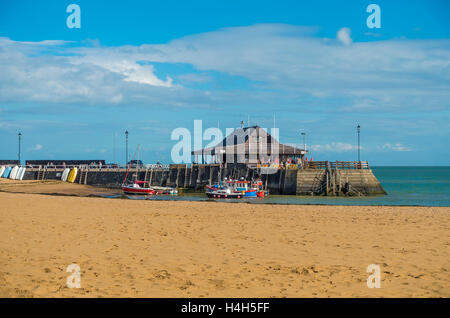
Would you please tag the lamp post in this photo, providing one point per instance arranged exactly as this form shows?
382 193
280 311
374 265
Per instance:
20 137
126 142
304 141
114 148
359 148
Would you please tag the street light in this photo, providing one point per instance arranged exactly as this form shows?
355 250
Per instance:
126 141
114 148
304 141
20 136
359 132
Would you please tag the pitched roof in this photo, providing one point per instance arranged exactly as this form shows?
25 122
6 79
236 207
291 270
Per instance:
248 140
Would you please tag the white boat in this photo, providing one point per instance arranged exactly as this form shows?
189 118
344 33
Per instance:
165 190
19 172
65 174
24 169
13 173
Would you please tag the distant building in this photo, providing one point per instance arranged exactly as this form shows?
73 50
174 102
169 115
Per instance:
63 162
249 145
9 162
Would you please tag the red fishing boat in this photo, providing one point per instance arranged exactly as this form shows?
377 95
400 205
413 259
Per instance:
136 187
259 188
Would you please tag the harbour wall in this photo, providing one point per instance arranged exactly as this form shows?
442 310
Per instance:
285 181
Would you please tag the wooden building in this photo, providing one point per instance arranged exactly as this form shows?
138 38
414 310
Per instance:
249 145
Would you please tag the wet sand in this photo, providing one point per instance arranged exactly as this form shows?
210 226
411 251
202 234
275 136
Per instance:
128 248
53 187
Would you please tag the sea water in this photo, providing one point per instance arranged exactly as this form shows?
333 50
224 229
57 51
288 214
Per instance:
413 186
422 186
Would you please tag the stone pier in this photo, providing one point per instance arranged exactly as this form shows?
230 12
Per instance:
318 178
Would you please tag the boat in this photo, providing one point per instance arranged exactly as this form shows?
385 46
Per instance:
136 187
65 174
259 187
166 190
251 189
236 189
6 172
12 174
20 173
225 193
244 187
23 173
2 169
72 175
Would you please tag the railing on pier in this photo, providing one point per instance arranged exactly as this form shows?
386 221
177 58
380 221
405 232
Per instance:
352 165
51 167
339 165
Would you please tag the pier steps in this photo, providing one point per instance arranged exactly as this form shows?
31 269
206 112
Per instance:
310 181
363 181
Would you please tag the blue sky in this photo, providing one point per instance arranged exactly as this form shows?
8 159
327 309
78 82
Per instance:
151 66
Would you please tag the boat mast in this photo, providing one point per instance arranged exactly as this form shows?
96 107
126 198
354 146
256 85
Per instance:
137 163
128 168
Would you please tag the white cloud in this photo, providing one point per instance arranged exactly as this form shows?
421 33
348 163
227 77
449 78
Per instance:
129 69
280 61
96 150
37 147
396 147
343 35
344 147
4 40
334 147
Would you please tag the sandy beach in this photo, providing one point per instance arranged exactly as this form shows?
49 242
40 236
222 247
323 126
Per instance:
128 248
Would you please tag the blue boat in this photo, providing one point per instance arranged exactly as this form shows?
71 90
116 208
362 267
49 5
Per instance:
239 188
6 172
